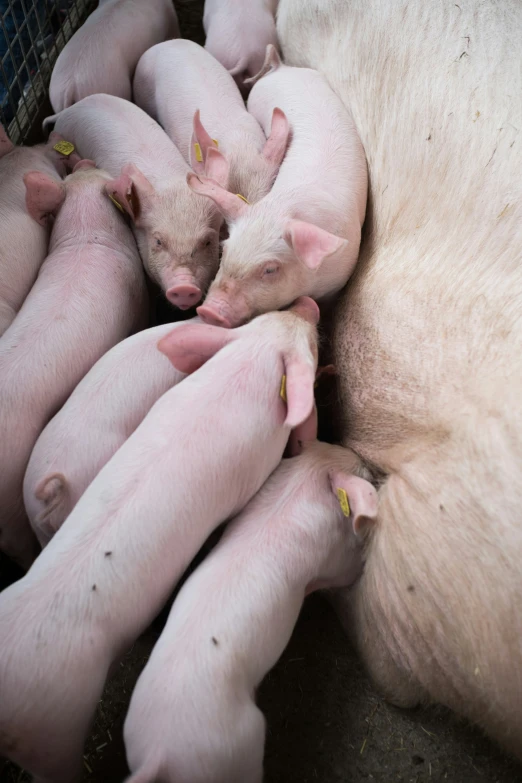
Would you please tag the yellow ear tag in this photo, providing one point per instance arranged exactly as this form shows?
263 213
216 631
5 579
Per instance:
64 147
242 198
343 502
199 156
215 142
282 391
116 203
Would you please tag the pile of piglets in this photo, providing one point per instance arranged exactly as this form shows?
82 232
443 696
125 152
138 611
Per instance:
122 447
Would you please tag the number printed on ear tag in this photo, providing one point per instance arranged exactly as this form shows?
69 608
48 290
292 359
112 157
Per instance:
64 147
343 502
282 391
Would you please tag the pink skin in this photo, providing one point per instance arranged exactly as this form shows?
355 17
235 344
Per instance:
175 229
23 242
196 100
109 45
89 295
193 716
99 416
238 34
303 237
183 480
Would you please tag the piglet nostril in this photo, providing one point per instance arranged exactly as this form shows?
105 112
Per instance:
184 295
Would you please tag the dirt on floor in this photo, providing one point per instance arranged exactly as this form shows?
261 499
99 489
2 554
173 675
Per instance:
325 721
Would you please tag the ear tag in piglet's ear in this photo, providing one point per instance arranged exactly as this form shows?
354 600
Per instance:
216 142
116 203
197 150
242 198
64 147
282 391
343 501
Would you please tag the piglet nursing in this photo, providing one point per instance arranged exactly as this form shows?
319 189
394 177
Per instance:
204 449
193 717
303 237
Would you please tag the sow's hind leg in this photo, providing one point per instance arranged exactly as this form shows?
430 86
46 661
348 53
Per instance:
438 611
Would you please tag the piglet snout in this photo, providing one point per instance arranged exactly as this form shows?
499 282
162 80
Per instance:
184 295
211 315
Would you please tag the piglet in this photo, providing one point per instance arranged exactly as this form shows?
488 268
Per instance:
204 449
102 55
101 413
177 232
199 105
192 716
89 295
23 242
304 236
238 34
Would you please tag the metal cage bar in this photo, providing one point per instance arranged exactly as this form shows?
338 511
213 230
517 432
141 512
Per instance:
32 34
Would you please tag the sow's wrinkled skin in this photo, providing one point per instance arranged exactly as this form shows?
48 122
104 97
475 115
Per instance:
101 413
238 34
23 242
193 717
196 101
113 563
102 55
428 342
177 231
303 237
89 295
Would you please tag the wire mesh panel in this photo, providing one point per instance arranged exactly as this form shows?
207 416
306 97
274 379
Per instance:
32 34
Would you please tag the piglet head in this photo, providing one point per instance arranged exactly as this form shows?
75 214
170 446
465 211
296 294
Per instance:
266 263
176 231
43 196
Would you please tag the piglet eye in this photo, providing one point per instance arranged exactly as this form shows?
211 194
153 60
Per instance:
158 243
270 270
208 243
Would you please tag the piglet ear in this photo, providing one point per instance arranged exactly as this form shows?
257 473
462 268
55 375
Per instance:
201 143
216 167
189 346
310 243
304 433
231 206
43 196
272 63
297 389
6 145
357 498
276 144
130 191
